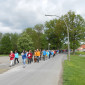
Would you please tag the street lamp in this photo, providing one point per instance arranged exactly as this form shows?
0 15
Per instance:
49 46
67 35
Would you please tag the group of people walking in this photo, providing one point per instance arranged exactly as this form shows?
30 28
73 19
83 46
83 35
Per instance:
28 56
13 58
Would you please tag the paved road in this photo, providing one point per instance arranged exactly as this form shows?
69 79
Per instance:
44 73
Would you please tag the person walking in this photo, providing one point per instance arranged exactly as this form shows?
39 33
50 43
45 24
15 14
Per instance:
44 54
23 54
16 57
47 53
38 55
52 53
11 55
29 55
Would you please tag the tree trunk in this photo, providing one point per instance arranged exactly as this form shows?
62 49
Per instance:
73 51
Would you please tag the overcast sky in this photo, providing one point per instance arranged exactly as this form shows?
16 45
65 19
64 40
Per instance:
16 15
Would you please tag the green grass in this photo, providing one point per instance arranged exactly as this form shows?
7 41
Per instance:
4 55
3 70
78 53
74 71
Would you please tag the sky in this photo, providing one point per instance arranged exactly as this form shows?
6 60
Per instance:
16 15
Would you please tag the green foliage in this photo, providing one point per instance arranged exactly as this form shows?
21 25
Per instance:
38 38
5 45
44 42
74 71
39 28
55 33
33 34
80 53
76 25
25 42
0 36
14 39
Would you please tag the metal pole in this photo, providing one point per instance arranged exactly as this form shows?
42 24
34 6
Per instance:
48 46
68 41
67 35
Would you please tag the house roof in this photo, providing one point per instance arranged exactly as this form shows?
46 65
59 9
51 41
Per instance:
83 46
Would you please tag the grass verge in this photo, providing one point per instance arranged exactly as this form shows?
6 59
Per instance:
74 71
78 53
3 70
4 55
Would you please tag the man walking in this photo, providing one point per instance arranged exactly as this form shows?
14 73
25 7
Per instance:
44 54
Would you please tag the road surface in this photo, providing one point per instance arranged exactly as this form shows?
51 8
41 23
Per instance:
46 72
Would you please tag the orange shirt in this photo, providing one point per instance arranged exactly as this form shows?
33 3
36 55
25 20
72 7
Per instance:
38 53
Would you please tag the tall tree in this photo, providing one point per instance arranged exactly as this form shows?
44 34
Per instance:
76 25
14 39
33 34
39 28
5 45
55 33
0 36
25 42
44 42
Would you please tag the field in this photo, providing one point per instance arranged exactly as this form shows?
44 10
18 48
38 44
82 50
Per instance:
74 71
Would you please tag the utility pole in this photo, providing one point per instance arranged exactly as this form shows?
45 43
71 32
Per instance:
49 46
67 35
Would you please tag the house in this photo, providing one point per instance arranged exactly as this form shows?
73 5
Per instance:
81 48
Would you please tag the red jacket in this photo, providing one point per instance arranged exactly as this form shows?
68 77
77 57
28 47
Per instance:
29 55
54 52
11 56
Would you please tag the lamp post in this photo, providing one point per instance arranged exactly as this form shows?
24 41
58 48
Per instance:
67 35
49 46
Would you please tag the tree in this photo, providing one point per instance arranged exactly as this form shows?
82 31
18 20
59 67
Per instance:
14 39
76 26
0 36
33 34
25 42
55 33
39 28
5 47
44 42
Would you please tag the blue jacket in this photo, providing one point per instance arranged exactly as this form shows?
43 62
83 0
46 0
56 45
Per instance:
44 52
24 56
52 53
47 53
16 55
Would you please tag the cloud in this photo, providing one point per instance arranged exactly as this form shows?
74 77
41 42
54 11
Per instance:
5 29
20 14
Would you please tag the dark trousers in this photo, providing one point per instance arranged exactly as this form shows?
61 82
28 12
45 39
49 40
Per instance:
29 60
49 56
53 55
37 58
44 57
15 60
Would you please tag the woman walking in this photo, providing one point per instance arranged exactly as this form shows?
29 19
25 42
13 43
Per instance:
47 53
38 55
23 54
29 57
16 57
11 55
